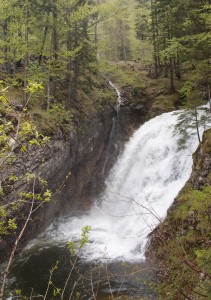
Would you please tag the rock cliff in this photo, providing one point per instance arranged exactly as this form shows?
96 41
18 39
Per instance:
74 166
68 164
179 247
201 173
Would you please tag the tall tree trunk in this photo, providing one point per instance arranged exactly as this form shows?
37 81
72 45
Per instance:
171 75
209 93
157 42
5 47
165 61
124 42
69 64
171 66
154 39
75 65
96 31
54 33
177 67
114 57
26 56
197 125
45 32
14 63
54 44
48 94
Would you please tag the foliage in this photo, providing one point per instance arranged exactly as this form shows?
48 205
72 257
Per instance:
75 247
46 42
186 251
61 116
52 290
49 52
18 136
180 36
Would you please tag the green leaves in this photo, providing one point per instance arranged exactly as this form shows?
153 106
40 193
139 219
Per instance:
174 47
47 196
203 257
33 87
74 247
186 253
84 236
62 116
56 292
71 247
12 225
18 134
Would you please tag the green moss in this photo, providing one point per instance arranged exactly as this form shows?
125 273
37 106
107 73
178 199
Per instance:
207 142
164 103
138 87
184 247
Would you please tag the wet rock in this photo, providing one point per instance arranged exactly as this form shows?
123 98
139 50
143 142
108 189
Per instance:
192 220
140 108
202 162
72 165
189 225
78 154
191 215
17 105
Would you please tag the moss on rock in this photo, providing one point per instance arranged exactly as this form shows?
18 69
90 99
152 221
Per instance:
180 246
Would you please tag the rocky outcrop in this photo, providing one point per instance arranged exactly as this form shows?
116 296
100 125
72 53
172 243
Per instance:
201 173
74 165
69 164
200 176
180 246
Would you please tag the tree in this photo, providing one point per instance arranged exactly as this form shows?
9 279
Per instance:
13 135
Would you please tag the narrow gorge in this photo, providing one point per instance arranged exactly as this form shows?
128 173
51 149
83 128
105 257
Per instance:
122 208
105 150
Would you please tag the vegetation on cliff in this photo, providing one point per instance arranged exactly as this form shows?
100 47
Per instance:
181 244
64 45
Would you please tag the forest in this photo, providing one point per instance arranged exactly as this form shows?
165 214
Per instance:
57 41
61 64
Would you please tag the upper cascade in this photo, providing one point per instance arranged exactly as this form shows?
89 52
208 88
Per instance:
119 98
153 168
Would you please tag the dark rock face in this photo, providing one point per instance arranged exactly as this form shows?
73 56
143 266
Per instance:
68 166
74 167
200 176
201 173
186 217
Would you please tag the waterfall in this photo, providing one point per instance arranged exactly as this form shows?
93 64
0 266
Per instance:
154 166
114 122
119 98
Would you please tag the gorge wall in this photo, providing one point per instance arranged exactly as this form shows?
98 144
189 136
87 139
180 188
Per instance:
74 167
180 246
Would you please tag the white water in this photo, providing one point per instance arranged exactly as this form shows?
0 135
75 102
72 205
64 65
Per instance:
114 122
119 99
140 188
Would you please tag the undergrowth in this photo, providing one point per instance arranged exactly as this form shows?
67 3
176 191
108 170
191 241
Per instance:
184 249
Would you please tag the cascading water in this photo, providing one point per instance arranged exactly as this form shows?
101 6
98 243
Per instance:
114 121
119 98
142 185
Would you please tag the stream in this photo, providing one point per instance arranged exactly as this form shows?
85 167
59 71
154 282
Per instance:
152 169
